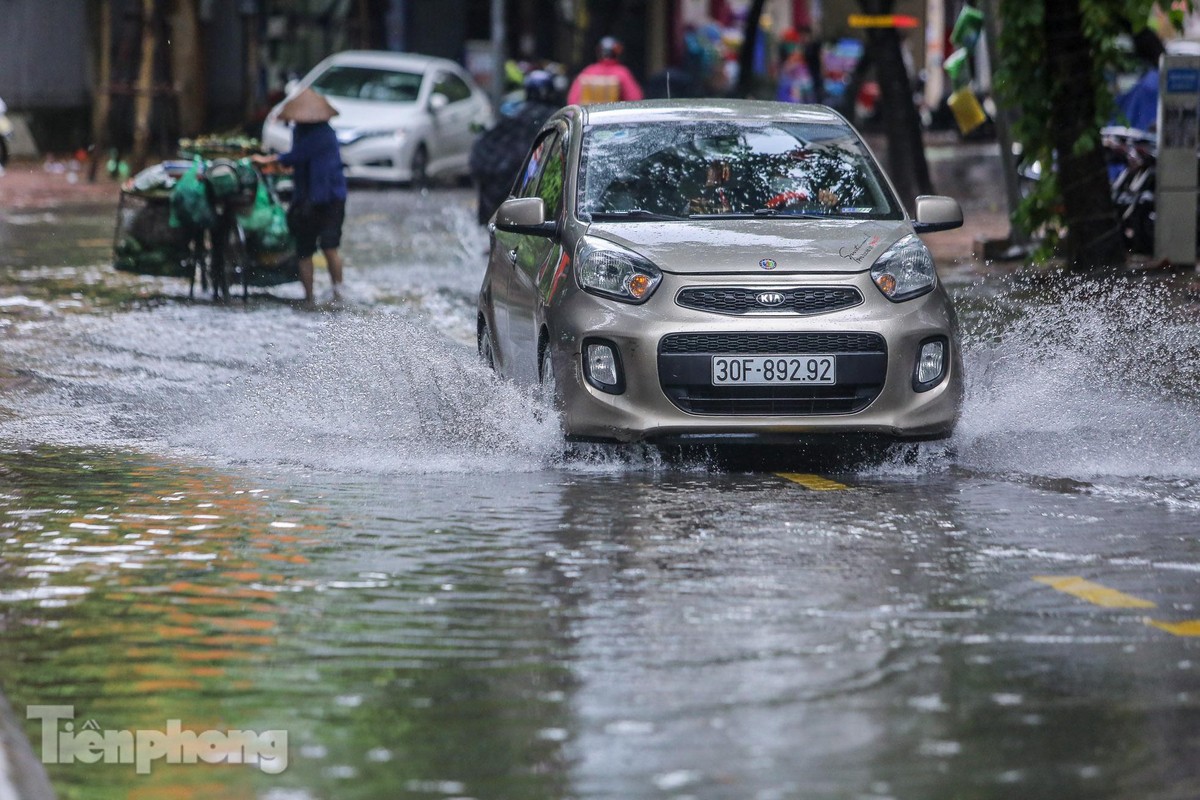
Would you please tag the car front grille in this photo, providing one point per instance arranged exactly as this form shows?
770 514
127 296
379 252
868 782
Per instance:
769 343
685 371
741 300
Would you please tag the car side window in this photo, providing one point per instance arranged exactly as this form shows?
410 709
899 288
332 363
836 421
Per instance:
454 87
553 177
527 179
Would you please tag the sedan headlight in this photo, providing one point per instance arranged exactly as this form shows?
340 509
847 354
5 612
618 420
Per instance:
905 271
352 136
608 269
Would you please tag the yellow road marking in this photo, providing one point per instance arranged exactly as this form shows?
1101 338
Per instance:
1111 598
93 242
1094 593
1189 627
814 482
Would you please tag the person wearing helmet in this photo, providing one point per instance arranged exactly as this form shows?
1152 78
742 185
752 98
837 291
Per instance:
497 154
607 80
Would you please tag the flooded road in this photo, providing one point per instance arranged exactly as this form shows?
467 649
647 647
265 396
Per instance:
339 526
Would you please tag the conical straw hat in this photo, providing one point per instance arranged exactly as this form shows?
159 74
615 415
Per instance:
308 106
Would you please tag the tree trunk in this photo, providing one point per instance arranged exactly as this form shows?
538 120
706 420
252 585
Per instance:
187 66
905 147
102 91
251 77
745 84
144 88
1093 234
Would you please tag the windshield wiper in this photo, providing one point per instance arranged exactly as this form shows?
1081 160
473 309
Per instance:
633 213
758 212
775 212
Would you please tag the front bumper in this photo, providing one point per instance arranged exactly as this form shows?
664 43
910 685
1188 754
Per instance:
378 158
875 396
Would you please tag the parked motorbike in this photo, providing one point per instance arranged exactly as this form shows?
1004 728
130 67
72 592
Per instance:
6 132
1133 164
1132 157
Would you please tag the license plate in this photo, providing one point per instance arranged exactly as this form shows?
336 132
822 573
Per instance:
774 370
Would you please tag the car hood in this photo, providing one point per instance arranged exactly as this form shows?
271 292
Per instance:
367 115
757 245
356 116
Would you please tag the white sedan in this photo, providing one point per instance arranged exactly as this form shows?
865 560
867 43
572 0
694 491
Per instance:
401 117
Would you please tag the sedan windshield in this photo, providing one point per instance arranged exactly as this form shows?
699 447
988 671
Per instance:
680 170
369 83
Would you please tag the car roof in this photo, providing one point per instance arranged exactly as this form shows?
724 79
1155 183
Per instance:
409 62
710 110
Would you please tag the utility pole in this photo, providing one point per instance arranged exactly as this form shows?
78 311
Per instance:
499 56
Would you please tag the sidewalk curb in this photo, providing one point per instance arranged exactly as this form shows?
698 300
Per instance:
22 776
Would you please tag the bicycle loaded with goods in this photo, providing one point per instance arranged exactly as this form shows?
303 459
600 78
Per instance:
211 214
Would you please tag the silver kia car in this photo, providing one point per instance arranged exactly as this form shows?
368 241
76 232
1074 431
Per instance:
726 270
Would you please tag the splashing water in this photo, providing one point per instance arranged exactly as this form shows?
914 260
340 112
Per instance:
1081 378
383 393
1068 378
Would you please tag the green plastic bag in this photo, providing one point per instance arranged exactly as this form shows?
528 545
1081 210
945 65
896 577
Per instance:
967 28
277 237
266 225
958 67
258 217
189 200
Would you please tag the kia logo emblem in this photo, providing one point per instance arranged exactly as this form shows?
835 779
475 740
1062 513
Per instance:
770 299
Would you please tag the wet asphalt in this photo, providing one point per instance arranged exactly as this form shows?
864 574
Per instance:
337 524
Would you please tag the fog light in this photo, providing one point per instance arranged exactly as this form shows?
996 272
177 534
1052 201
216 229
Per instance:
602 367
931 364
602 364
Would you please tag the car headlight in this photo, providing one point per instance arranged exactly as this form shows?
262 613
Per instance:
608 269
347 137
905 271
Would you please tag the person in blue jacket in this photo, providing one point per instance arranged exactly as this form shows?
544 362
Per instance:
318 206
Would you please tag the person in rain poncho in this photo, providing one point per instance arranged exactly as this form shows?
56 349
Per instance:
607 80
497 154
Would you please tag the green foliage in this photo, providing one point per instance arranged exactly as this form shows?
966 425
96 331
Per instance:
1023 83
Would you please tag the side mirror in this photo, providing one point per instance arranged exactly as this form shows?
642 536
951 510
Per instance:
937 213
525 215
438 101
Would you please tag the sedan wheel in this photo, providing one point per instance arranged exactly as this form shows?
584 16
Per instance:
546 374
487 351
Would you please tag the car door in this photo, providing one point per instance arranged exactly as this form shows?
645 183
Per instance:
502 264
453 122
536 254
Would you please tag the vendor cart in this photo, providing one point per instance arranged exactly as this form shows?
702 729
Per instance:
213 216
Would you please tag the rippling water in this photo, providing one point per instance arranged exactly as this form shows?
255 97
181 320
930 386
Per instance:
340 525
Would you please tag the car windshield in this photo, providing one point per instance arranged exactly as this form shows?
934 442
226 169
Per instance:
678 170
369 83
